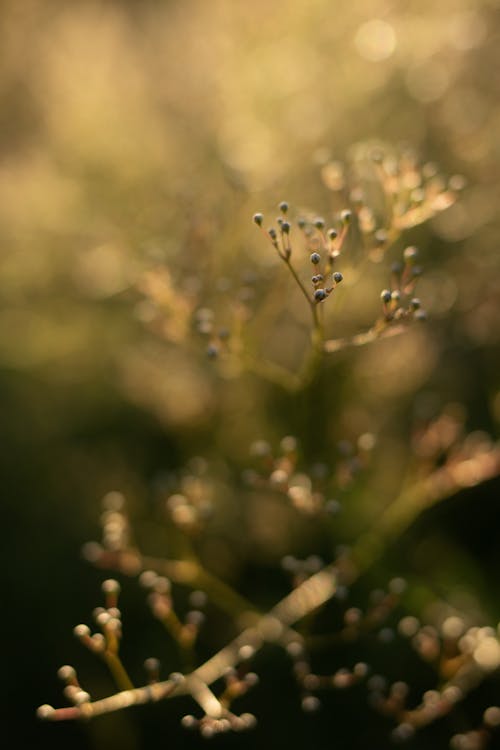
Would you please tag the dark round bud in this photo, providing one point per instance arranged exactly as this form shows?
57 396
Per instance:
395 296
283 207
421 315
317 279
285 227
385 296
258 219
315 258
346 216
337 277
320 295
272 233
319 223
415 304
332 233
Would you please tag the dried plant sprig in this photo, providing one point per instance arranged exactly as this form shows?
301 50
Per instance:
476 653
273 627
403 192
306 491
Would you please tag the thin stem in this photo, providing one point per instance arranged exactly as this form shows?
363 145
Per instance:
117 670
360 339
442 483
299 282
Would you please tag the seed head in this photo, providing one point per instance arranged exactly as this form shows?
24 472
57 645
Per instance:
285 227
346 216
319 223
385 296
320 295
315 258
332 233
337 277
258 219
283 207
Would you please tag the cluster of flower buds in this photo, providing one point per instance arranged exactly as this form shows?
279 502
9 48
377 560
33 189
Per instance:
463 656
209 726
108 619
391 192
105 643
322 245
239 296
280 473
382 604
449 458
479 738
398 301
184 630
191 505
72 690
218 338
310 683
166 307
115 524
237 682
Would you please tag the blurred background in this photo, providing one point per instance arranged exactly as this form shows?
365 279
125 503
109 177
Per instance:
135 135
